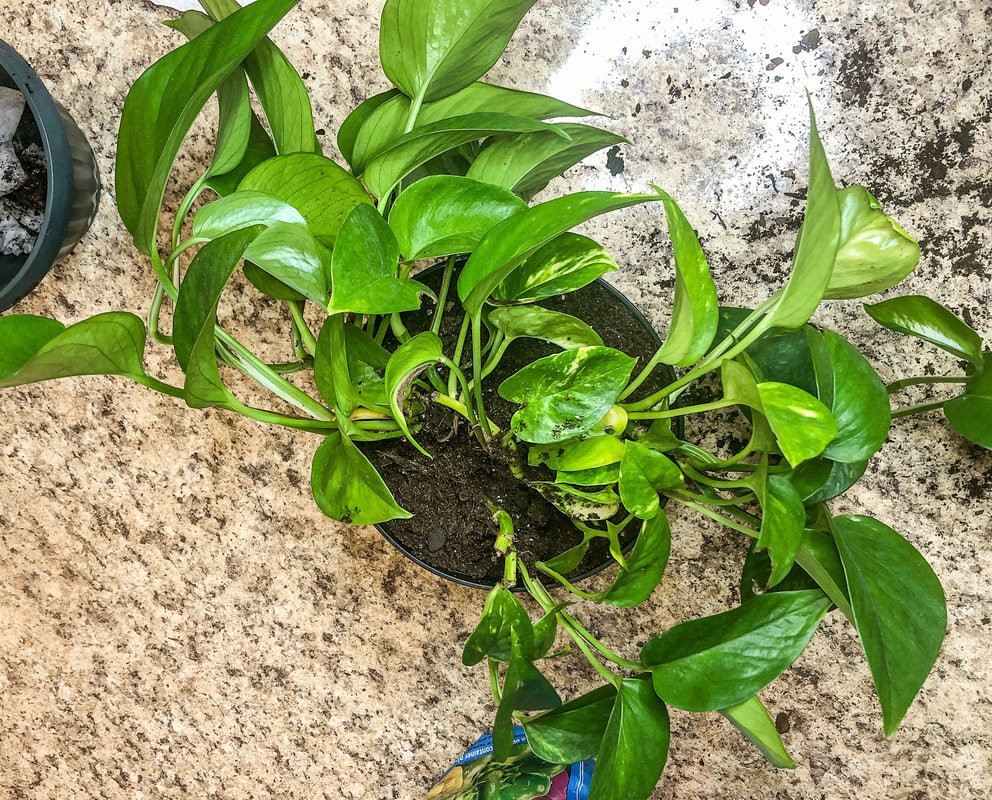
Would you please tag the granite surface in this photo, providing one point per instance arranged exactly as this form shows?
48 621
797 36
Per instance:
178 619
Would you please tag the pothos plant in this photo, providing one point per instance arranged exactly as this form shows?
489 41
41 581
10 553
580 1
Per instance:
433 172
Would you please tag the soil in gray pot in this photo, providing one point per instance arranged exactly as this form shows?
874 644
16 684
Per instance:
23 176
452 528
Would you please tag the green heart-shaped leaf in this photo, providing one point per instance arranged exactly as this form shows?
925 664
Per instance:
718 661
634 747
445 215
875 253
526 163
566 263
816 245
346 486
34 349
324 193
695 310
433 48
364 265
855 395
783 519
927 319
645 565
574 731
802 425
898 606
565 394
643 473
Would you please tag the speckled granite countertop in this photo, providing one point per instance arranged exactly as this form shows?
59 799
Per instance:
178 619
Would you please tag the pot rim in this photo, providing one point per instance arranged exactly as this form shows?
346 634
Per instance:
59 178
465 580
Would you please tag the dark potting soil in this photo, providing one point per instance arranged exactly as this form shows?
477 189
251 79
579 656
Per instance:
23 209
452 528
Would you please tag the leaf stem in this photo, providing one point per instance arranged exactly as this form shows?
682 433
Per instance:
296 309
681 410
898 386
706 512
905 412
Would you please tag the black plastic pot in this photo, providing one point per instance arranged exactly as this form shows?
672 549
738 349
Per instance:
73 180
663 375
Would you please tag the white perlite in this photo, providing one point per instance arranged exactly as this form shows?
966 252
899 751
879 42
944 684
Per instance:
18 226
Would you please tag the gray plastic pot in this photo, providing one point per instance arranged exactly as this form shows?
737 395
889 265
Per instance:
73 181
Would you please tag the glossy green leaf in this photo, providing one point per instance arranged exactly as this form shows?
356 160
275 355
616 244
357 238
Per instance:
819 558
574 731
196 314
524 689
594 476
855 395
802 424
242 210
346 486
778 355
971 412
534 322
643 473
433 48
233 100
445 215
565 394
268 285
279 88
577 454
752 719
816 245
407 362
382 119
563 563
507 245
491 638
425 142
364 266
348 366
166 99
324 193
756 573
783 519
645 565
34 349
21 337
927 319
290 254
695 310
739 384
581 504
526 163
898 608
875 253
634 746
348 133
566 263
820 479
259 149
713 662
